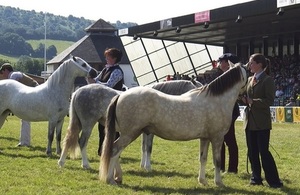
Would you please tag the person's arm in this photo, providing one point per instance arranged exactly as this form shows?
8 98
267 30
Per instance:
16 76
268 98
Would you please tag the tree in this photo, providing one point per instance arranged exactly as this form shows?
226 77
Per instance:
51 52
13 44
27 64
39 52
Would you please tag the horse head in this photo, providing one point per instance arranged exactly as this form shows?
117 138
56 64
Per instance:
82 65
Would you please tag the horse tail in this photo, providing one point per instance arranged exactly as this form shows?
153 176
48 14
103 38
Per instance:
70 141
110 132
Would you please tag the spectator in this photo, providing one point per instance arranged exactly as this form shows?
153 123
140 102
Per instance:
229 138
279 92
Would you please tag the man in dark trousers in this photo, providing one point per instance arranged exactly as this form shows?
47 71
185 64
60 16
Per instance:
229 138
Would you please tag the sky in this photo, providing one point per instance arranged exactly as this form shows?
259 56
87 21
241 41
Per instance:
137 11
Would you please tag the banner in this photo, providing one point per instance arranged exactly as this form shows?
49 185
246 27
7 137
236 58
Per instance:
273 113
296 114
288 112
280 114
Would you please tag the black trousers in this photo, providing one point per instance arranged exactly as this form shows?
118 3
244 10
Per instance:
230 141
101 137
258 147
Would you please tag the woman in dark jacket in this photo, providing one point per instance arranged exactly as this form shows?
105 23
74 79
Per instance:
111 76
260 96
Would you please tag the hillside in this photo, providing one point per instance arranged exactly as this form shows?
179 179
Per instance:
60 45
22 32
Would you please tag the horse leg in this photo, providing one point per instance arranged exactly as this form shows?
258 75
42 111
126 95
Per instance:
118 173
204 144
216 148
51 128
63 156
113 172
58 135
147 141
83 140
3 117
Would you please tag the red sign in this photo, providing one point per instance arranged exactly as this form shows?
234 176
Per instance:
202 16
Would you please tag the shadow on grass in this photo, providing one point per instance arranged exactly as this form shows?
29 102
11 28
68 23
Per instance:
197 190
9 138
39 152
211 189
154 173
79 168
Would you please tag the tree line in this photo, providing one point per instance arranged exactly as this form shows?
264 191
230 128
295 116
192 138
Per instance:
17 26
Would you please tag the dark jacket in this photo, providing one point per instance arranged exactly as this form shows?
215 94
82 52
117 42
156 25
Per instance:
258 116
105 75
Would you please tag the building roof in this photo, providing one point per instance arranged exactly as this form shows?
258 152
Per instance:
100 26
258 19
100 35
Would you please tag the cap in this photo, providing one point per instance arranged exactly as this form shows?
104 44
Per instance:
6 66
229 56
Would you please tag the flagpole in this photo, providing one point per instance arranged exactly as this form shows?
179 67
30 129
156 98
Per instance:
45 50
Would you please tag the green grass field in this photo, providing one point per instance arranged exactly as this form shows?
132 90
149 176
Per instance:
60 46
27 170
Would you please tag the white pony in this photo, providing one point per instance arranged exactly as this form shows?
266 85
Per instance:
88 106
46 102
203 113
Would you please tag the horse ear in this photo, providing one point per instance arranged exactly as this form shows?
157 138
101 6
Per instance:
193 81
231 65
247 66
74 58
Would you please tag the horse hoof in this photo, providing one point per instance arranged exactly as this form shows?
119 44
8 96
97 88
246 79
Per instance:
61 163
203 181
118 182
85 166
219 184
49 154
148 169
111 182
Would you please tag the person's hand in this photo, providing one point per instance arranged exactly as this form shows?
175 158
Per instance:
247 100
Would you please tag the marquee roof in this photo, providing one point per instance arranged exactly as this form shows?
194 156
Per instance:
259 19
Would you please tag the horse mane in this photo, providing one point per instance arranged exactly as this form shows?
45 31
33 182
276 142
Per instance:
58 74
173 87
224 82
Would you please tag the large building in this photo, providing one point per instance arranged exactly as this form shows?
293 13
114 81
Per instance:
188 44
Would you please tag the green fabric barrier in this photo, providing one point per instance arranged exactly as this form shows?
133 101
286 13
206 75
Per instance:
288 111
